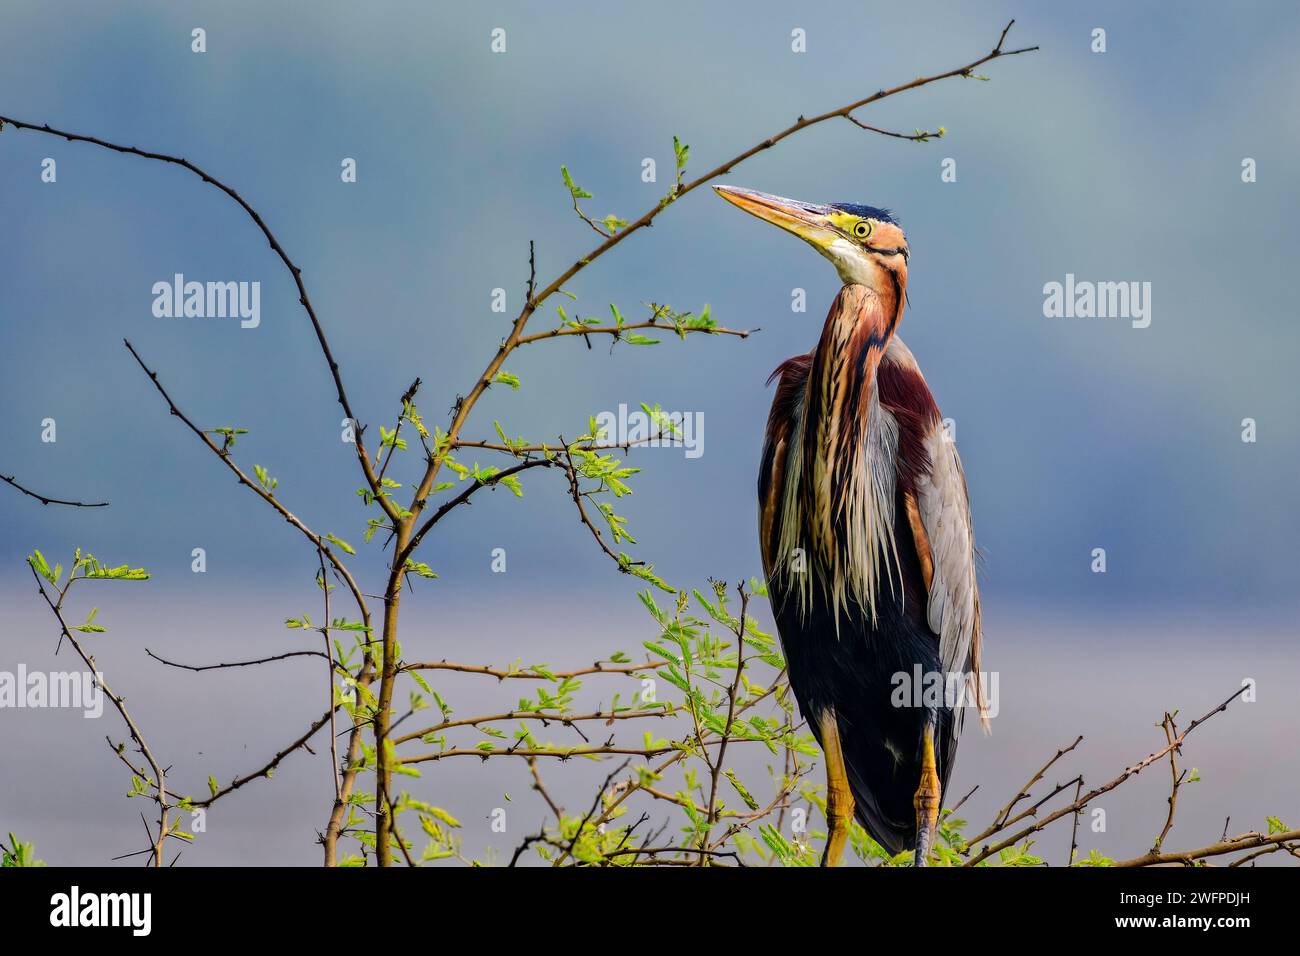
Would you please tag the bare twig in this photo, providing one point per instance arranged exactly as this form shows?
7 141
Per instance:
1247 841
1091 795
9 480
119 704
213 667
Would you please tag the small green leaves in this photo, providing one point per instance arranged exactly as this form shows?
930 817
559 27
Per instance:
576 192
90 627
264 479
212 785
391 439
18 853
42 567
333 539
605 227
442 815
645 572
664 423
740 789
506 378
515 445
343 624
411 415
1095 858
422 570
84 567
681 154
120 573
228 436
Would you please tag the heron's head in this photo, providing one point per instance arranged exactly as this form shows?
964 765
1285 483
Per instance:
865 244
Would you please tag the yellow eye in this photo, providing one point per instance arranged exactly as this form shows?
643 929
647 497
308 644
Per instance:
861 229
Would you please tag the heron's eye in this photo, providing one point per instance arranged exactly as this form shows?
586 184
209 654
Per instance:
861 229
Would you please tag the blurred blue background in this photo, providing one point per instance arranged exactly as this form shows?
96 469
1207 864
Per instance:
1076 433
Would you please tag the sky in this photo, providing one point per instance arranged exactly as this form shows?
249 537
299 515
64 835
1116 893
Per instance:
1077 433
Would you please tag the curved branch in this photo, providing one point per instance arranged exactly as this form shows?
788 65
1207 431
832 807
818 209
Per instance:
463 498
500 674
371 478
214 667
9 480
1247 841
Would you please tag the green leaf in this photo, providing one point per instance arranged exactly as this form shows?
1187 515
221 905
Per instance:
681 153
576 191
740 789
332 539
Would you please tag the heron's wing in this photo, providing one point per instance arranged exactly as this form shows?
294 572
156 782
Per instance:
944 512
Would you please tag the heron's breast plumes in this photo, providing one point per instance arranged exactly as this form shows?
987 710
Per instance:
828 500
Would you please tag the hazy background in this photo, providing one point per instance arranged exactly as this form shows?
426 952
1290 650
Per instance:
1076 433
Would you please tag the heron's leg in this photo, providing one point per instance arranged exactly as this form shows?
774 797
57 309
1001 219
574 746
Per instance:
839 798
928 796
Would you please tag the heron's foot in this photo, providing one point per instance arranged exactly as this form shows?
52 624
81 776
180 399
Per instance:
839 798
927 799
838 834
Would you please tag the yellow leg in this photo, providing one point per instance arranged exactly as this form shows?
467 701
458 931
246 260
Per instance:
927 799
839 798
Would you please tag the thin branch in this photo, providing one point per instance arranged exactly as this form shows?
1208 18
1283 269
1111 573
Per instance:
269 767
501 674
1074 830
920 136
9 480
329 653
545 716
1171 731
213 667
733 694
618 330
119 704
540 787
1246 841
463 498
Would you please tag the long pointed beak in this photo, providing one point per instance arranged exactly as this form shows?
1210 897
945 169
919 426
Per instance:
809 221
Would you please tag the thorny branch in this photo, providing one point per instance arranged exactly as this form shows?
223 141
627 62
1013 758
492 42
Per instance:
158 781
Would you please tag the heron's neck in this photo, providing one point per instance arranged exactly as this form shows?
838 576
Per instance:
848 501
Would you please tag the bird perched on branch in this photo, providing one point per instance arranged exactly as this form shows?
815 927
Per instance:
866 538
